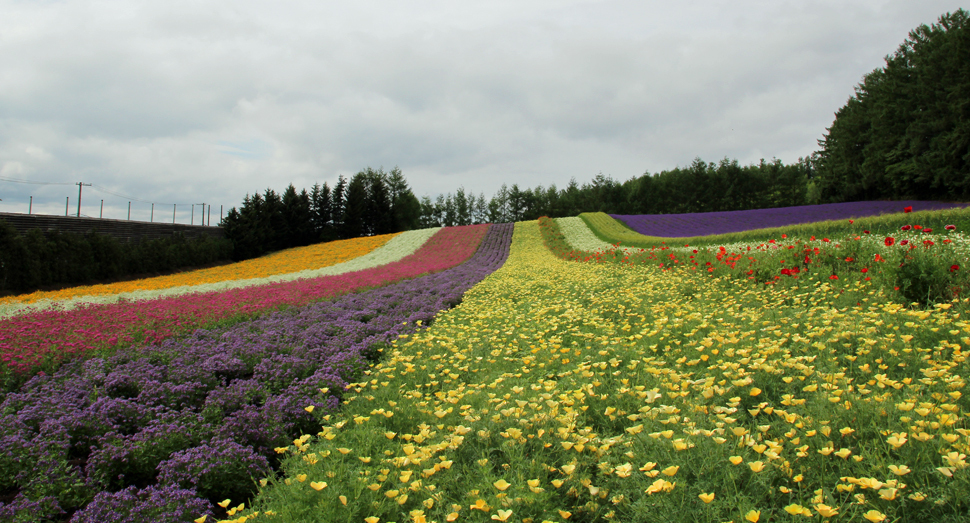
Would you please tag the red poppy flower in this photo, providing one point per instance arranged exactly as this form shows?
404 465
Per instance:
908 209
904 242
906 227
954 268
928 243
865 231
851 221
865 269
850 259
917 227
927 230
950 227
833 277
890 240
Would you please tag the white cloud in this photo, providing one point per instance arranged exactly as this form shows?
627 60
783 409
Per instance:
191 101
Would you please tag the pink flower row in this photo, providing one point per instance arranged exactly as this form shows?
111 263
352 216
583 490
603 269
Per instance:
42 340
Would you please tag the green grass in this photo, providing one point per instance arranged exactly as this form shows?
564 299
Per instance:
612 231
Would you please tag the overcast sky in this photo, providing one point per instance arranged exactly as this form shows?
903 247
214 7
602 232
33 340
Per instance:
198 101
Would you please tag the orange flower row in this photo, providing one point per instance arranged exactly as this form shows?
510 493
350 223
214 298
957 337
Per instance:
282 262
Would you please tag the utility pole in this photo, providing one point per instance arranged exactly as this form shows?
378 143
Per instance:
152 218
129 211
101 215
30 206
67 204
79 186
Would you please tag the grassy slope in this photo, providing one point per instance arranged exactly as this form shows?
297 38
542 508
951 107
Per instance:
613 231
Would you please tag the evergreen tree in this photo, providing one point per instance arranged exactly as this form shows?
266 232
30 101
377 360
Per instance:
379 217
297 218
429 216
498 208
406 208
905 133
320 212
355 207
463 211
337 204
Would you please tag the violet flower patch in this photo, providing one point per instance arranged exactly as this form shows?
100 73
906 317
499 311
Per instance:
708 223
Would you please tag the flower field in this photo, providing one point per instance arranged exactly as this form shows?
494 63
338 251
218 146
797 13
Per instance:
324 259
562 391
711 223
164 429
785 375
43 340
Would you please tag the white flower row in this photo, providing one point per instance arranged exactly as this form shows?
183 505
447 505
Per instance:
581 238
395 249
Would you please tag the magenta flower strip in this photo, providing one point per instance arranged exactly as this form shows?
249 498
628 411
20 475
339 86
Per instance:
42 341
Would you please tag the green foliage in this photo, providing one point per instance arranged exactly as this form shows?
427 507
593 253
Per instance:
38 259
905 133
929 274
371 202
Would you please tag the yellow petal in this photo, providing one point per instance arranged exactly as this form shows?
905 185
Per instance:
318 485
502 484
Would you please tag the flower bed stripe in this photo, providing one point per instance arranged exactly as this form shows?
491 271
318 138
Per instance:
285 261
708 223
581 238
43 340
326 258
206 411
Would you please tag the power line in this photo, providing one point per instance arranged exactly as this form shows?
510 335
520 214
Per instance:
104 189
31 182
100 188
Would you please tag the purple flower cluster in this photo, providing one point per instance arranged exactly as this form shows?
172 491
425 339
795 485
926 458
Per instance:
153 430
707 223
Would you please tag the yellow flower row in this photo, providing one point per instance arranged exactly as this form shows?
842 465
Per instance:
629 393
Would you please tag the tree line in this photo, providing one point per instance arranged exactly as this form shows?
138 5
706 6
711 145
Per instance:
905 134
701 187
371 202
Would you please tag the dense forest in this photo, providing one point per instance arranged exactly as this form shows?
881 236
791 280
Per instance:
906 131
904 134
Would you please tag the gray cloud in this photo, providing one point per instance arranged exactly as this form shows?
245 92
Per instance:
183 102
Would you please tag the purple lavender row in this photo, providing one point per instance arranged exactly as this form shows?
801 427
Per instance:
160 433
707 223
